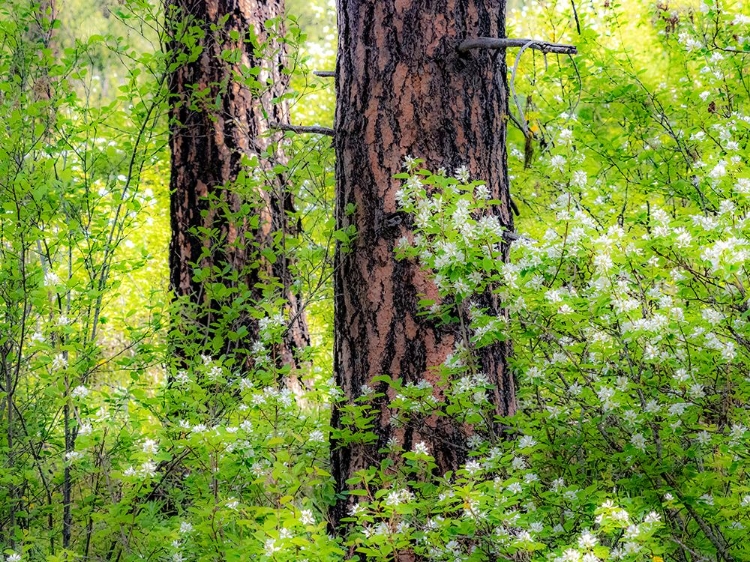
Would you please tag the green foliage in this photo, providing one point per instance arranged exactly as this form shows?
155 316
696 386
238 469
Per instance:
73 186
625 293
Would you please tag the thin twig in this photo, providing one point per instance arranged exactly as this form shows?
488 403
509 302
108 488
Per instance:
690 550
717 539
325 73
503 43
580 87
313 129
515 121
512 83
575 15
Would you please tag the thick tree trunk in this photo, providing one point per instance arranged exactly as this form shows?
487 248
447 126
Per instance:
403 90
217 123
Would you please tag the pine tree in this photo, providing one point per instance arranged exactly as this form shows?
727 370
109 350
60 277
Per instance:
403 90
227 203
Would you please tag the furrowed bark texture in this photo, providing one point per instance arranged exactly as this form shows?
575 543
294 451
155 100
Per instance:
403 89
216 119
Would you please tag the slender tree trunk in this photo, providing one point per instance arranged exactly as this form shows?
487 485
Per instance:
219 126
32 72
403 90
67 520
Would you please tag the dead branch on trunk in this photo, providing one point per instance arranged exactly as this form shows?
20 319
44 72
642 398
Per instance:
504 43
312 129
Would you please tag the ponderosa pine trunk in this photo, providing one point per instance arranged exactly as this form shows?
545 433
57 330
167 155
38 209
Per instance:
218 124
403 90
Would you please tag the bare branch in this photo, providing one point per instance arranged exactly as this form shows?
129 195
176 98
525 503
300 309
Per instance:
498 43
325 73
312 129
575 15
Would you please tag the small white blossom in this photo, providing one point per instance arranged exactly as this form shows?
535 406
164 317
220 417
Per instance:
737 433
285 533
80 392
306 517
410 163
356 509
587 540
696 391
678 408
571 555
316 436
472 467
718 171
704 437
481 192
72 456
565 136
150 447
707 498
51 279
462 174
579 179
59 362
638 441
421 448
147 470
397 497
557 162
270 547
652 518
557 484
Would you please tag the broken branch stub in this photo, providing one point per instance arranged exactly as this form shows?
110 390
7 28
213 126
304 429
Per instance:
504 43
312 129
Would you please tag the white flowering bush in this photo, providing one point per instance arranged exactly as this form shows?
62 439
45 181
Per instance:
628 316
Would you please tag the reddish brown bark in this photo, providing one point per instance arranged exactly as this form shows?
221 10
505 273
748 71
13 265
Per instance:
403 89
217 123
